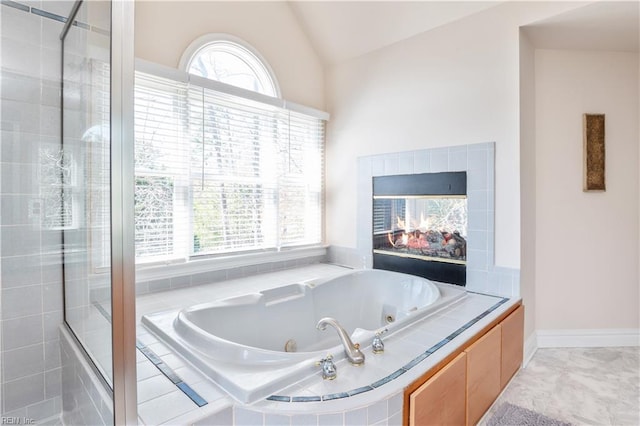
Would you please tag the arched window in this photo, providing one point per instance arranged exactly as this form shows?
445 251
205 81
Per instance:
232 61
223 171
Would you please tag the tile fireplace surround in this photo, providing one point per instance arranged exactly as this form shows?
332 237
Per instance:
478 160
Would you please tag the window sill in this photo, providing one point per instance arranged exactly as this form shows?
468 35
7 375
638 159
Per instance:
189 267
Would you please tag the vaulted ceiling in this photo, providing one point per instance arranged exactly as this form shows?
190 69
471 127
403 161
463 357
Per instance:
342 30
608 25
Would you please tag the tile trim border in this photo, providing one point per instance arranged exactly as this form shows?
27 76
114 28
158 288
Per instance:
160 365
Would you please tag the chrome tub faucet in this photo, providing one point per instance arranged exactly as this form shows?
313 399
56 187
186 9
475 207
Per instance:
329 369
354 355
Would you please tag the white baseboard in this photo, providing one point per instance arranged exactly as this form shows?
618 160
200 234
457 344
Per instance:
581 338
530 348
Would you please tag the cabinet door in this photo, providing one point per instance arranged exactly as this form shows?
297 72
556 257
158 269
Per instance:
483 374
441 399
512 345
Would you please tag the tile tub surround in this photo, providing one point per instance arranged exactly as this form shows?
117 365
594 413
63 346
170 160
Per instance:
381 405
478 160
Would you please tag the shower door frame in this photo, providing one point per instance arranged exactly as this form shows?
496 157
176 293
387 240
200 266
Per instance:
123 295
121 118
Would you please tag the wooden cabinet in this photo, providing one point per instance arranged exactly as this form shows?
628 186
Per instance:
460 389
512 342
483 374
441 399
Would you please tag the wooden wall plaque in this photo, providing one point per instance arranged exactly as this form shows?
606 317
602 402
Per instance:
593 131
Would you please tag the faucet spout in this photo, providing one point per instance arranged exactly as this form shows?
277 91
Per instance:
354 355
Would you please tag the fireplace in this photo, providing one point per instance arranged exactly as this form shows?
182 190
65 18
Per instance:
420 225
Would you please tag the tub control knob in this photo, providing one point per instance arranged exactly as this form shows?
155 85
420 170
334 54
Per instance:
377 345
329 369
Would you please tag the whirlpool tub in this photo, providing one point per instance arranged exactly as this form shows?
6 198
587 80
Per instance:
255 344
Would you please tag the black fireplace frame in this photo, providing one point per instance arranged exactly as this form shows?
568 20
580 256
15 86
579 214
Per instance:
429 184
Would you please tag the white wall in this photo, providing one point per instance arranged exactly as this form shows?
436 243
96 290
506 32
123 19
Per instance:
587 243
527 182
457 84
164 29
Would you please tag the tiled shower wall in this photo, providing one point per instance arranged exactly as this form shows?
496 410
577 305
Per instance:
30 260
478 160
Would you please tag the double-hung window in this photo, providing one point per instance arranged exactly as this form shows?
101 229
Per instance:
222 170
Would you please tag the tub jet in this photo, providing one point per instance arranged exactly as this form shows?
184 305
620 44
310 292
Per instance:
291 346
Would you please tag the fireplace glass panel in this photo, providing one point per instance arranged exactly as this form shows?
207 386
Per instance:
422 227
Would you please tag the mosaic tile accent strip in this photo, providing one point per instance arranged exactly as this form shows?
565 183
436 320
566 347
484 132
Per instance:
15 5
398 372
160 365
171 375
52 16
49 15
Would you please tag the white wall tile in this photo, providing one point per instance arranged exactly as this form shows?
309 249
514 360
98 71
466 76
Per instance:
356 417
164 408
457 158
52 355
51 31
304 420
477 240
221 418
477 280
395 420
154 387
477 171
243 417
421 162
44 409
25 361
377 412
377 166
395 404
277 420
331 419
50 124
406 163
19 271
439 160
20 56
16 87
51 321
52 297
20 26
391 165
21 332
20 116
22 392
30 108
53 383
477 200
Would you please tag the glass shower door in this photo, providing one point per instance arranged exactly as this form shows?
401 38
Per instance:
93 172
84 178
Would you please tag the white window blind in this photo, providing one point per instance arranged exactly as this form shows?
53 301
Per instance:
219 173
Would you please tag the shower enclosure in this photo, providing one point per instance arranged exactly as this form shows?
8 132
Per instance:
90 196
